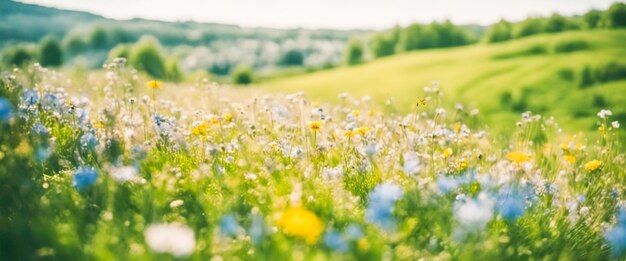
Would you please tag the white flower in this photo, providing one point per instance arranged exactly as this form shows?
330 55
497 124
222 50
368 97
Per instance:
176 239
603 113
411 163
615 124
176 203
125 173
474 213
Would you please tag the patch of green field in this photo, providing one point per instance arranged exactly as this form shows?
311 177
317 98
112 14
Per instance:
540 74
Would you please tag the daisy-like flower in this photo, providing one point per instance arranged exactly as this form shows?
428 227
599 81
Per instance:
593 165
176 239
154 84
615 124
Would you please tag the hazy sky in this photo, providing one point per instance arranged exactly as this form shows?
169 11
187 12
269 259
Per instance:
341 14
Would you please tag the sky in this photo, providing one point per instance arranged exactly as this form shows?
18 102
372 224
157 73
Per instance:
334 14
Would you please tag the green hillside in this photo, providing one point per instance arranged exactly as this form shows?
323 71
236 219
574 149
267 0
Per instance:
541 74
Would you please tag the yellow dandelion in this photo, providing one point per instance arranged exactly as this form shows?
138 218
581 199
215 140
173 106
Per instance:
447 152
214 119
518 157
456 127
154 84
570 159
200 129
348 134
593 165
361 131
421 102
302 223
228 116
315 125
355 113
98 125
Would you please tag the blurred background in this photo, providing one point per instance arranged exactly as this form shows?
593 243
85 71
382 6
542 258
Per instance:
562 58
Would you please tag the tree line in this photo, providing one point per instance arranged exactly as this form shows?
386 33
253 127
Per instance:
446 34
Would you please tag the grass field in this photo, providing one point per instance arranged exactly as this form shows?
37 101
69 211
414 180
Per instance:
537 76
110 165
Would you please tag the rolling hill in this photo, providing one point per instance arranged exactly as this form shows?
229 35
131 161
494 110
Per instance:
540 74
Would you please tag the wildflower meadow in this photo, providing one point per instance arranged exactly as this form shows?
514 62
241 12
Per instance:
114 165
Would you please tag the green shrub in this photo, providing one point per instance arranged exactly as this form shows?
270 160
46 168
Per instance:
354 52
537 49
50 53
242 74
146 55
571 46
17 56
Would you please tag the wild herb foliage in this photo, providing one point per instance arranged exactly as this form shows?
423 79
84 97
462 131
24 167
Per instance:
108 173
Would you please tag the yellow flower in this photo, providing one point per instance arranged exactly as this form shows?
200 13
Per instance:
302 223
154 84
456 127
569 158
355 113
228 116
98 125
421 102
601 128
200 129
348 134
23 149
460 164
518 157
447 152
214 119
593 165
315 125
361 131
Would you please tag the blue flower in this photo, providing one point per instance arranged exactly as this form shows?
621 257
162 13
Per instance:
381 203
511 207
30 97
616 237
43 153
354 232
229 225
84 177
256 229
88 141
5 110
40 130
335 241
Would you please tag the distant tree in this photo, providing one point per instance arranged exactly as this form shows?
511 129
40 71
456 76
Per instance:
292 57
499 32
556 23
242 74
354 52
120 50
99 38
616 15
592 18
528 27
50 53
74 44
174 73
17 56
146 55
384 44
